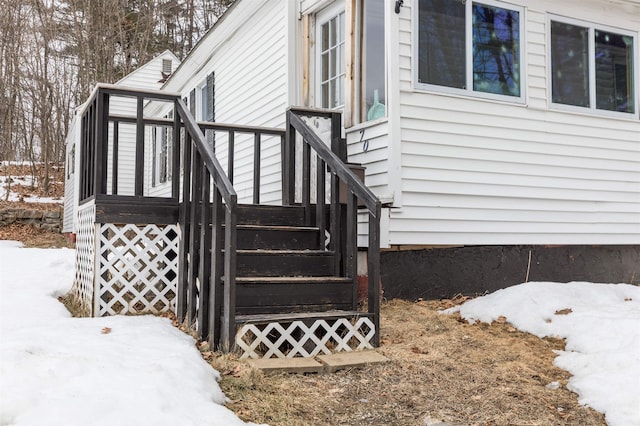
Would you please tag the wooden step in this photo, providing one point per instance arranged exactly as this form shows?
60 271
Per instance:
300 316
277 237
251 214
291 263
293 294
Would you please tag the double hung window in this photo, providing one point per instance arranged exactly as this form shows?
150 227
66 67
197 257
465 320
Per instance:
592 67
470 47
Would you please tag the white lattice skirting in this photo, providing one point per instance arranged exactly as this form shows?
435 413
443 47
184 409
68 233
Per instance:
124 268
138 269
83 284
304 338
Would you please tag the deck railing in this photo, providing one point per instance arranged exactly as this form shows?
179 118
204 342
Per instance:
343 242
204 202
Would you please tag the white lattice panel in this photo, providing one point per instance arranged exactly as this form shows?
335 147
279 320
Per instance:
83 284
138 268
304 339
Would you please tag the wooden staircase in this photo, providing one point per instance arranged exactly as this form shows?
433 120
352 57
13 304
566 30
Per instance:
283 269
266 280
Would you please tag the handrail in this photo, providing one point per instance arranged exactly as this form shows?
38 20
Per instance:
344 246
333 162
219 177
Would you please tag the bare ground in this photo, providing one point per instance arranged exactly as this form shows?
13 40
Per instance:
441 369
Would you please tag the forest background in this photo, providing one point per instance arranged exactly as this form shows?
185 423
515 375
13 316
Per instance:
52 53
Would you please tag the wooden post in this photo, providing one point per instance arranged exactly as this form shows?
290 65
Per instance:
288 167
194 254
373 270
351 252
185 231
306 182
217 269
230 155
114 160
256 168
229 321
334 224
101 142
320 200
204 270
139 178
337 145
175 163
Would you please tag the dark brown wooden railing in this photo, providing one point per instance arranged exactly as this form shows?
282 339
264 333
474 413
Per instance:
94 159
343 242
204 203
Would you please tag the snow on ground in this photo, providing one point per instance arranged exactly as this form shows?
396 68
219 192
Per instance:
58 370
601 325
25 181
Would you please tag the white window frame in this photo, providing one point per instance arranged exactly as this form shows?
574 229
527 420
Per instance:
322 17
160 133
468 91
200 99
591 109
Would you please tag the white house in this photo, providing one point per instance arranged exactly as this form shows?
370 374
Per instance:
151 75
493 131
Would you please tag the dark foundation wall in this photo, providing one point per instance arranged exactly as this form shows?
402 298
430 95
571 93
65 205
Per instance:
445 272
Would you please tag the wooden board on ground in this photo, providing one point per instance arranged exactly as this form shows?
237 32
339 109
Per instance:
286 365
321 364
342 360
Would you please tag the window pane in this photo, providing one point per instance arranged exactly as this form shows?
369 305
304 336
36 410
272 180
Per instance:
569 64
496 50
614 72
325 95
373 69
203 103
441 43
325 36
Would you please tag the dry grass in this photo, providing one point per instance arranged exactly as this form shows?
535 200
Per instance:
32 236
441 368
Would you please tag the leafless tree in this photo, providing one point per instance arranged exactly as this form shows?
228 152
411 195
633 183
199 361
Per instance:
52 52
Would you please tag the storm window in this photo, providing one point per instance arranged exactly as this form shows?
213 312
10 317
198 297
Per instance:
470 47
592 67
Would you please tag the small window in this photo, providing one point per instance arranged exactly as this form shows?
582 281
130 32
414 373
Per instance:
470 47
71 162
162 155
592 67
203 103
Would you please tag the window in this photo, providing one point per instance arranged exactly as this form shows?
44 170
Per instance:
71 162
162 154
470 47
331 66
203 103
372 67
592 67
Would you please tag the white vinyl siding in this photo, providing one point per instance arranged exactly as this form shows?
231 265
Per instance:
251 87
484 172
71 182
148 76
369 145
